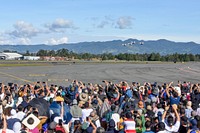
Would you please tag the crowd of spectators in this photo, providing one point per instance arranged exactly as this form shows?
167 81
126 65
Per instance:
100 108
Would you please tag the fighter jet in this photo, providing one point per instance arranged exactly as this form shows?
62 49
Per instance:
141 43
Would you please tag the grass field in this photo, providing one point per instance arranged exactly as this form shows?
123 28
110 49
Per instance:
14 63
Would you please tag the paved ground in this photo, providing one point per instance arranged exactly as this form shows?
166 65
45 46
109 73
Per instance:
64 74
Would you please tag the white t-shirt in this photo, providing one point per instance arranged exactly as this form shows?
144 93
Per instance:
7 131
17 127
86 113
1 96
174 128
20 115
116 118
129 124
162 131
178 89
161 110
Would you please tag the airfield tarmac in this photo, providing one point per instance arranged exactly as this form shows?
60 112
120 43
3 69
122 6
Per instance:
96 72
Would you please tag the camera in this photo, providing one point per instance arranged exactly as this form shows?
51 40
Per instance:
135 111
28 91
7 98
60 122
12 88
34 109
8 94
10 84
95 96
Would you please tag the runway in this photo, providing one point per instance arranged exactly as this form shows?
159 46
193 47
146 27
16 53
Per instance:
95 73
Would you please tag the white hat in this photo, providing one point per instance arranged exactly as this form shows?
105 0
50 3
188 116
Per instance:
19 101
74 102
13 112
31 121
17 127
56 119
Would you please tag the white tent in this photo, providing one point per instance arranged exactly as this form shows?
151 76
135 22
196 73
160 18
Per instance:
10 56
31 57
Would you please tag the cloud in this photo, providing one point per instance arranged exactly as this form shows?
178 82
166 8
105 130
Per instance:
54 41
107 21
60 25
124 22
11 41
23 41
4 41
23 29
103 24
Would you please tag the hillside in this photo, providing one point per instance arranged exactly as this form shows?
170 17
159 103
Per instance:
161 46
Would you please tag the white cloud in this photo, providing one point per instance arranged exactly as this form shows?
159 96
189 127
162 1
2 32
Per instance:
4 41
24 41
60 25
54 41
103 24
11 41
23 29
124 22
107 21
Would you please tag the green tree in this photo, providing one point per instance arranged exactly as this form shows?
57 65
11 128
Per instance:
27 53
42 53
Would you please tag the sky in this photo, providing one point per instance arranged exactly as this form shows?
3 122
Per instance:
53 22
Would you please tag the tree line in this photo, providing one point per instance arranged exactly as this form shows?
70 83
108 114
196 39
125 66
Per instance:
176 57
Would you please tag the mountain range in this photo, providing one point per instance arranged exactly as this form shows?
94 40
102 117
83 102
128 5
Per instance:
161 46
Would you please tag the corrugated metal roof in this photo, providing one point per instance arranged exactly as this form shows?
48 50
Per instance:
12 54
2 54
